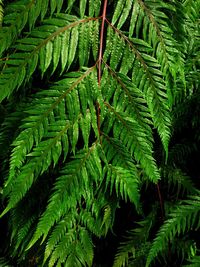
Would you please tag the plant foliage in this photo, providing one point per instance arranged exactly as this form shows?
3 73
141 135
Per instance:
94 96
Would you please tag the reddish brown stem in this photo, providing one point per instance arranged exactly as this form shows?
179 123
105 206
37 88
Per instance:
100 62
4 58
161 201
101 40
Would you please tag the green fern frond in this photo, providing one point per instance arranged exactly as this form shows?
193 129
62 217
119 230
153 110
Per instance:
159 34
24 231
87 89
184 218
120 172
4 263
178 181
11 121
183 248
75 183
135 245
46 108
58 233
194 262
146 76
125 182
56 40
75 248
23 224
132 135
46 153
23 13
192 9
152 20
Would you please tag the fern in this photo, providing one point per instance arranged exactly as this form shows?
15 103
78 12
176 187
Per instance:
136 244
4 262
193 262
183 218
23 13
91 96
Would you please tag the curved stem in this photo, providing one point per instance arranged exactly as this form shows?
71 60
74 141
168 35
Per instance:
101 40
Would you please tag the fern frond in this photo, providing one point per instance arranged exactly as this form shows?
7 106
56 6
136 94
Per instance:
183 248
75 248
178 181
87 88
132 135
11 121
159 34
153 20
4 263
24 13
75 183
146 76
135 245
185 217
125 182
194 262
192 8
23 224
58 233
126 98
21 239
50 105
120 172
56 40
46 153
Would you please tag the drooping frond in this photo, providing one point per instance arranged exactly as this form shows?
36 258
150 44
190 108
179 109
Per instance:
127 98
74 182
75 248
53 42
184 218
87 92
152 20
192 9
120 171
134 142
47 127
178 181
23 224
146 75
10 123
46 153
4 263
50 105
21 14
183 247
136 244
194 262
